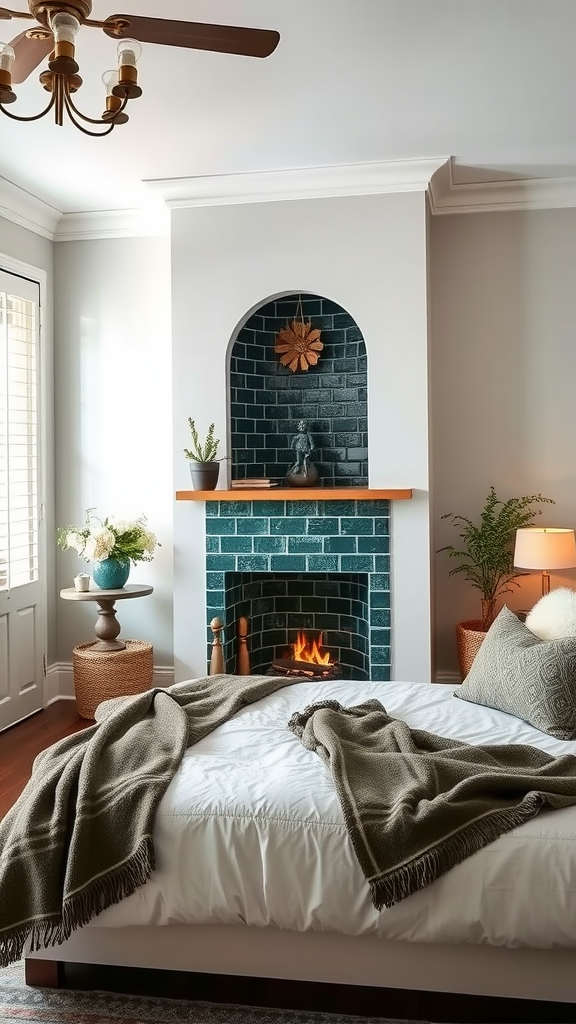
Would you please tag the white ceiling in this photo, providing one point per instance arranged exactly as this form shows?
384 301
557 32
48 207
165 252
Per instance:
491 83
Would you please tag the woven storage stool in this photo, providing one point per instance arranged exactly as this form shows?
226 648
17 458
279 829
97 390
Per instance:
100 675
469 637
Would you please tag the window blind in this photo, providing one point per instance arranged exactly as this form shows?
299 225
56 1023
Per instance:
19 490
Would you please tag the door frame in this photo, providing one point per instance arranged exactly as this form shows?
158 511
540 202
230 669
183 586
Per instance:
17 267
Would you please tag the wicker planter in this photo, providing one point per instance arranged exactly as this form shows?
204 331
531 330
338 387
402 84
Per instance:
469 637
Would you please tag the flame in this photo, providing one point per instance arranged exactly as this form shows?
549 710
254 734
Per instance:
310 650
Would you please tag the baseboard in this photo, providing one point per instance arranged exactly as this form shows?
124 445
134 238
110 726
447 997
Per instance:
59 683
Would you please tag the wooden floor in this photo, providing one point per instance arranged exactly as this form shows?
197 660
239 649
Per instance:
20 744
18 748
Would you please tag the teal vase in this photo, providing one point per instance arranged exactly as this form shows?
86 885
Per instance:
111 573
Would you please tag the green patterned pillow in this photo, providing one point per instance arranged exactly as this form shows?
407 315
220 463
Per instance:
533 679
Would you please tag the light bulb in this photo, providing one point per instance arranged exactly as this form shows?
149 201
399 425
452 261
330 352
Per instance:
109 80
129 52
65 27
7 57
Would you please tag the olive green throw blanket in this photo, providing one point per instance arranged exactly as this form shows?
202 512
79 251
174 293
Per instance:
416 804
79 838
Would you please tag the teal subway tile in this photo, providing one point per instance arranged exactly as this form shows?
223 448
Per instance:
382 563
235 508
286 526
379 637
253 526
357 563
304 545
270 508
372 545
212 508
323 563
220 563
340 545
357 527
287 563
220 526
253 563
214 610
380 673
380 617
324 527
236 545
380 599
212 545
379 581
215 580
382 527
339 508
373 507
272 545
302 508
379 656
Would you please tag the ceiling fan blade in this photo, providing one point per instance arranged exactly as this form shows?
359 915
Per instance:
250 42
6 15
29 54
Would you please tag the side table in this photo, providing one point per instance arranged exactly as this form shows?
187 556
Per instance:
109 667
107 627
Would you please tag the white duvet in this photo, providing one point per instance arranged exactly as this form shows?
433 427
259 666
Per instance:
250 830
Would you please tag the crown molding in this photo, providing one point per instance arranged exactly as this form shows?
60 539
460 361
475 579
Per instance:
448 196
139 223
26 210
300 183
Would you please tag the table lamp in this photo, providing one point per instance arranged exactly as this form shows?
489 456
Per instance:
544 548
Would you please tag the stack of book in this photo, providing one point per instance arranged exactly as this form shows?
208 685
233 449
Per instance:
250 483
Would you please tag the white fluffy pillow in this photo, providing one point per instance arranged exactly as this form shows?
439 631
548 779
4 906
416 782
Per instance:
553 617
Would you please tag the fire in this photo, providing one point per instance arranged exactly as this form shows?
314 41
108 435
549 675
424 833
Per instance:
310 650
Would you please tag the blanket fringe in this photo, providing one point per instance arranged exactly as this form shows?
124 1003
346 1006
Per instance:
79 909
426 868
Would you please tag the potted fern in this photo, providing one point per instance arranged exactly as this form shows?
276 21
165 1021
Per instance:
485 559
204 463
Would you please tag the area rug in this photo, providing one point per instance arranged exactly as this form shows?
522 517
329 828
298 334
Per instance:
20 1004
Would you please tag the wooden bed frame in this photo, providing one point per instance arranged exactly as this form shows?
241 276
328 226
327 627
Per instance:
326 957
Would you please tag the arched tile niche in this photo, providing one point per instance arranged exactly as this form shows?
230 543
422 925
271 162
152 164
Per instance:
267 399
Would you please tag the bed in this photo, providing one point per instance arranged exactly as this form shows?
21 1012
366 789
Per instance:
256 874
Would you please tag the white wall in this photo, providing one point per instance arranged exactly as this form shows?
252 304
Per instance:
368 253
36 251
503 373
113 418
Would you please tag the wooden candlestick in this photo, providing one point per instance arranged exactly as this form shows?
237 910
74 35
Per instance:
217 665
242 652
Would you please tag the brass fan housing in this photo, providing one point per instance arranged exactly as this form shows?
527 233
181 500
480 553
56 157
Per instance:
43 11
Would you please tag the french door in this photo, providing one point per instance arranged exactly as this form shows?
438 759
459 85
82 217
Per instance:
22 629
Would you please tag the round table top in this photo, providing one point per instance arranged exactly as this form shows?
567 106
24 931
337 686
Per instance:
95 594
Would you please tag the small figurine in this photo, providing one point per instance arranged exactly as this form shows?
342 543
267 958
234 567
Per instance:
303 473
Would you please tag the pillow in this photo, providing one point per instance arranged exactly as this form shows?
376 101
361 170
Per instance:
554 615
533 679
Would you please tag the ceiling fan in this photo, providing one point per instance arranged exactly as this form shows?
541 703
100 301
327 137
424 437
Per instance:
55 33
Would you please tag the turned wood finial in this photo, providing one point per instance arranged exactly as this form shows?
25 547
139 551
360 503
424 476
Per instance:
242 653
217 659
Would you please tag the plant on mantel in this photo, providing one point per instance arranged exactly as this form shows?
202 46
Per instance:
486 557
203 457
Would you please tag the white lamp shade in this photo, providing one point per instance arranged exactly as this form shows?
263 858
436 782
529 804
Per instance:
544 548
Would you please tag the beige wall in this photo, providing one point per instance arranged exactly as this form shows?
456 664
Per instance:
503 373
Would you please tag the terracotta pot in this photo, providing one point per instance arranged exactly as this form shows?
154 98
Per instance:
469 637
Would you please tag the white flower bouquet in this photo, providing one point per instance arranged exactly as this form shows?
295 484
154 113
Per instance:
109 538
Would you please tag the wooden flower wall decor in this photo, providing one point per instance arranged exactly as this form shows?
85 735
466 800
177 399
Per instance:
299 345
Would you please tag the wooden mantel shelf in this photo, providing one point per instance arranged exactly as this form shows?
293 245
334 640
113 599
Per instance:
299 494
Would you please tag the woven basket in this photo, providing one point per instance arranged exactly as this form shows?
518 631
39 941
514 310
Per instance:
469 637
100 675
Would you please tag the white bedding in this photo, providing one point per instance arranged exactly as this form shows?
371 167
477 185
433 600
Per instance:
250 830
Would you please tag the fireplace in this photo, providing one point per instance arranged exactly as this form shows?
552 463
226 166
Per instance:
319 565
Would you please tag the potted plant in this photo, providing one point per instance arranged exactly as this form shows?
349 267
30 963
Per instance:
204 464
111 544
486 561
